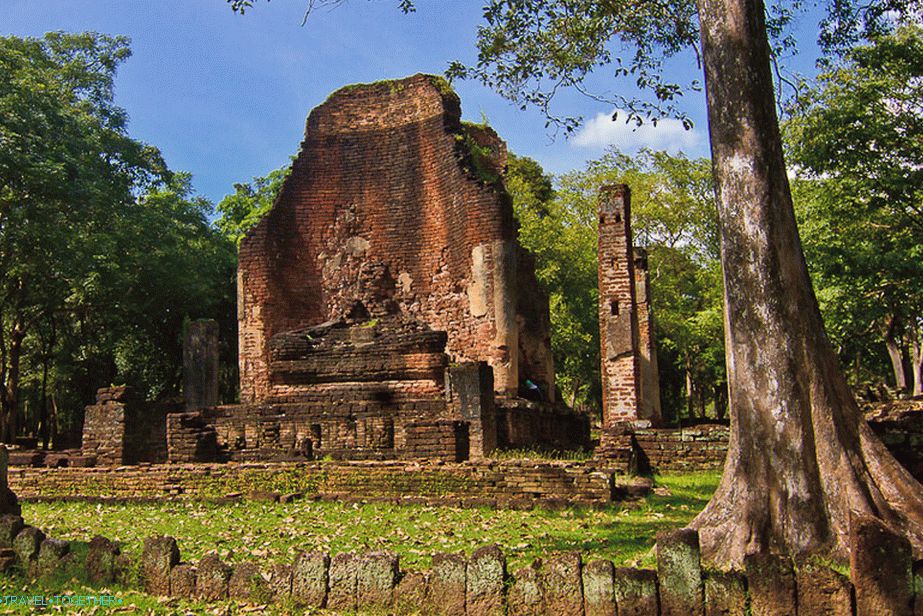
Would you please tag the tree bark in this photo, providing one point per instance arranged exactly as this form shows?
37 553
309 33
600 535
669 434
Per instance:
9 404
895 355
916 360
801 458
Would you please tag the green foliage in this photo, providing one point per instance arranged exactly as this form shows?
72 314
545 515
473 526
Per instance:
271 532
531 50
857 139
103 251
239 212
562 236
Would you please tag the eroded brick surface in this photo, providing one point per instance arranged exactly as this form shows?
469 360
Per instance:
385 206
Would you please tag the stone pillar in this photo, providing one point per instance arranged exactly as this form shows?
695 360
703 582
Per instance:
200 364
649 385
618 321
472 387
506 340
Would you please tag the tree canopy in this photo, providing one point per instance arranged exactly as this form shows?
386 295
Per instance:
103 251
857 140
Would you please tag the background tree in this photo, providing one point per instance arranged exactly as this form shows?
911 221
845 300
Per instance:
103 251
857 139
238 212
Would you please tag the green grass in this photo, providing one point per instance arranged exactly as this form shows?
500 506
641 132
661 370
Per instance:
269 532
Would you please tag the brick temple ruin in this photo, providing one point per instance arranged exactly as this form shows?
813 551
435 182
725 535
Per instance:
385 305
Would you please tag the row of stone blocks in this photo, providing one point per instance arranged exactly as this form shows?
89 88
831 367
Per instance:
884 580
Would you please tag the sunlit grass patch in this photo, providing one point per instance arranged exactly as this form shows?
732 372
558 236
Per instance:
272 532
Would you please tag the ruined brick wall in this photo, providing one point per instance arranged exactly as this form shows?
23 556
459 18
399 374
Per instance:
618 323
121 428
511 482
387 205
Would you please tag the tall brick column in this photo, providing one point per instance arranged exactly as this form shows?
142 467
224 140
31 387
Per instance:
649 387
618 320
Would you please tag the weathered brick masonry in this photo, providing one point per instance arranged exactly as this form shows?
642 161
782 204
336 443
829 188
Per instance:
618 318
630 385
121 428
508 482
387 205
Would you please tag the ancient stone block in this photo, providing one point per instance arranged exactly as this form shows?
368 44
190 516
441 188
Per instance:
881 568
27 544
212 578
525 596
376 577
309 579
725 594
598 589
680 573
771 581
412 593
100 561
160 554
342 592
447 584
200 364
50 554
823 591
248 584
473 385
562 584
183 581
636 592
10 525
280 582
486 578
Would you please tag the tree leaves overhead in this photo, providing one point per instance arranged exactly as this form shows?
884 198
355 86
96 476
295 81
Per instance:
529 50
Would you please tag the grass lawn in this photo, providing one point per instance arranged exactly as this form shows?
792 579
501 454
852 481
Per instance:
268 532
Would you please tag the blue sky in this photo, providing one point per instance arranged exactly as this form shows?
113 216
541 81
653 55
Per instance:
225 96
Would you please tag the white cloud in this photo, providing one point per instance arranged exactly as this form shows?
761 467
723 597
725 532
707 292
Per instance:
669 134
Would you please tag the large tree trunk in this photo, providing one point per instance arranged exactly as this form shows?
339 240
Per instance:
895 355
801 458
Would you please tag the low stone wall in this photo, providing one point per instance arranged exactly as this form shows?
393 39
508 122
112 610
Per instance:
883 579
508 483
685 449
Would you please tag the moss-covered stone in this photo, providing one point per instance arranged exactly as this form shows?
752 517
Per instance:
598 591
680 572
212 578
486 582
309 579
